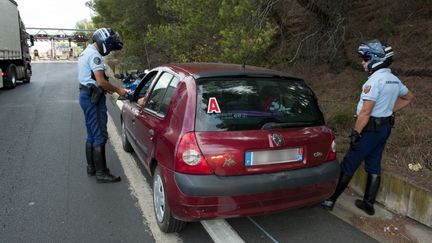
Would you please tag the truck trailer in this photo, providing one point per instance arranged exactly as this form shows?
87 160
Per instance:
15 59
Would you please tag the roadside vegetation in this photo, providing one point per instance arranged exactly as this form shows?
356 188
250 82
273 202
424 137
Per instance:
313 39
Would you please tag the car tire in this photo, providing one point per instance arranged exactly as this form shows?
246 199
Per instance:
166 222
125 142
11 76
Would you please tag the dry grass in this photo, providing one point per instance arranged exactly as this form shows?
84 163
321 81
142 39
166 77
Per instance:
386 230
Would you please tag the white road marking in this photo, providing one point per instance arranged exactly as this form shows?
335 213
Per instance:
219 230
263 230
139 187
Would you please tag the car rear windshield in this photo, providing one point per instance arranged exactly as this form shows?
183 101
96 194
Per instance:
255 103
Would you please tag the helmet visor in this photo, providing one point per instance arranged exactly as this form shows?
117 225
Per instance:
365 58
117 43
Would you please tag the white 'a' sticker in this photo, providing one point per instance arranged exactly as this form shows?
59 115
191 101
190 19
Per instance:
213 106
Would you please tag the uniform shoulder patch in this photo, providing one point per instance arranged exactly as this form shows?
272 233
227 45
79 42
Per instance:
366 89
97 60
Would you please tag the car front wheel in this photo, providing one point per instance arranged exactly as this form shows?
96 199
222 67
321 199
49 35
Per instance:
125 142
166 222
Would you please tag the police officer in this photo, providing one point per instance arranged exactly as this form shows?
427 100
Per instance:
93 86
382 95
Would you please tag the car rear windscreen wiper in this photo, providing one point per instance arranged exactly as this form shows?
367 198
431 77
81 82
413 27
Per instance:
273 125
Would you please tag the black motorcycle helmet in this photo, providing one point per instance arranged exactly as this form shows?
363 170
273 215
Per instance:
107 40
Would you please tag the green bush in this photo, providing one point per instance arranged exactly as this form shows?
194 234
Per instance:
342 119
424 1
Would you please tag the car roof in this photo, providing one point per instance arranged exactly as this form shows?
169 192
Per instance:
211 70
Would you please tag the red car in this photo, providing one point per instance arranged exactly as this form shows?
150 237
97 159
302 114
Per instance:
226 140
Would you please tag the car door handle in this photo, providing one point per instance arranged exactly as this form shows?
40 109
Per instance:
140 116
151 133
137 115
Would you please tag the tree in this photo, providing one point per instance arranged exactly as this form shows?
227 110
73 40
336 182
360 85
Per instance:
161 31
81 37
218 30
130 18
310 32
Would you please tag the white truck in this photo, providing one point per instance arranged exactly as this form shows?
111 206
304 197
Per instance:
15 58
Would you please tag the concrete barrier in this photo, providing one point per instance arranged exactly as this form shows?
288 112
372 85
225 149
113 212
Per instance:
399 195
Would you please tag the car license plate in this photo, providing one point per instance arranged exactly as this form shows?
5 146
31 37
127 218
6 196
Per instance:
273 156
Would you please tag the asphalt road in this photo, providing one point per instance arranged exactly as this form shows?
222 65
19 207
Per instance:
46 195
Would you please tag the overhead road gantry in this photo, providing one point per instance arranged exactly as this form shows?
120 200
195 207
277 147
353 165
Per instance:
46 34
54 35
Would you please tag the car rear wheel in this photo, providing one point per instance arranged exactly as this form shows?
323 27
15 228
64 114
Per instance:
166 222
125 142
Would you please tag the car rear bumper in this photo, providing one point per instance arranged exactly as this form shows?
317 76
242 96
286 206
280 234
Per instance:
196 197
213 185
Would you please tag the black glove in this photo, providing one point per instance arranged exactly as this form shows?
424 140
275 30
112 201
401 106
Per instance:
354 139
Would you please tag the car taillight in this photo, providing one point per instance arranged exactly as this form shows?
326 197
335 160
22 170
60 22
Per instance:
332 153
189 157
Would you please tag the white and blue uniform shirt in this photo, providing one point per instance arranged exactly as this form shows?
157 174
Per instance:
89 61
384 88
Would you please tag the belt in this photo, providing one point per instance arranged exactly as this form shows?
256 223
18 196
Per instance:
84 88
382 120
89 88
376 123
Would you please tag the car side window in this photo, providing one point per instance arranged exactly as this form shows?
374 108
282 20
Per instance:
162 93
168 95
145 84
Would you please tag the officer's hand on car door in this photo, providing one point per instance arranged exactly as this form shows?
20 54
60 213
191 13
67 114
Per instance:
122 91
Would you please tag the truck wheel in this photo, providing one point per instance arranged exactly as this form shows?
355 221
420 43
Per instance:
27 75
11 76
166 222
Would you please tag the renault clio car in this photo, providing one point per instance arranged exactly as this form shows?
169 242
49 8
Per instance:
228 140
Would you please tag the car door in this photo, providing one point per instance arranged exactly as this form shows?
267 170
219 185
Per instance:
151 123
131 109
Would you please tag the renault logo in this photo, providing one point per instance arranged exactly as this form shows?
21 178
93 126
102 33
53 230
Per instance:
317 154
277 139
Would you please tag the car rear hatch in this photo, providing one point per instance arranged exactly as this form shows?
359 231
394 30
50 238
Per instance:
259 125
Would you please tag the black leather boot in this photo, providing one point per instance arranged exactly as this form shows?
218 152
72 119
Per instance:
342 184
372 186
91 169
103 174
